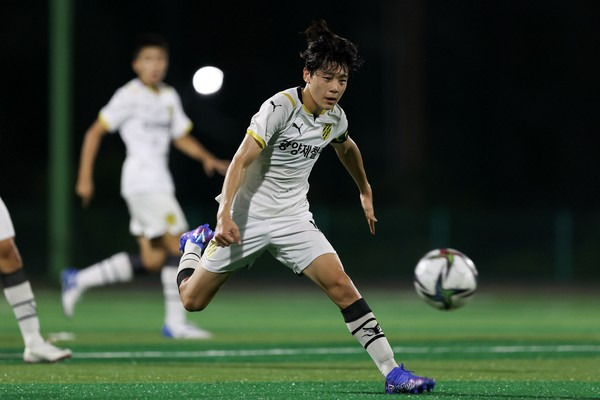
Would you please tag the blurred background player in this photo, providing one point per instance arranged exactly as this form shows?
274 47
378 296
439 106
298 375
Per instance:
264 206
149 116
19 295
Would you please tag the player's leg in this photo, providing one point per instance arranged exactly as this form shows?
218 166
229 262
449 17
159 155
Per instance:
299 244
118 268
160 216
200 288
328 273
202 274
197 285
176 324
19 295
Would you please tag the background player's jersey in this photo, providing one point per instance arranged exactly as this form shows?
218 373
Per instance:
7 230
292 140
147 120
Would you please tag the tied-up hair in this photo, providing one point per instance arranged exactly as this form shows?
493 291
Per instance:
327 51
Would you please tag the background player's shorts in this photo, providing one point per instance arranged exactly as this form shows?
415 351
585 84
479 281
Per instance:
154 215
7 229
295 241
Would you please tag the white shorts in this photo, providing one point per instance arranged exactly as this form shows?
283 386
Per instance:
154 215
295 241
7 229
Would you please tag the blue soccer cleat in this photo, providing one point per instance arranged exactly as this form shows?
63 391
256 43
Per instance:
70 291
199 236
185 330
400 380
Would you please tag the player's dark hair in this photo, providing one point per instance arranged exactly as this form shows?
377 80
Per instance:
149 40
327 51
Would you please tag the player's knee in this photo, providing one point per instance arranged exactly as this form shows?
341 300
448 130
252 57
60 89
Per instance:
152 262
192 303
153 266
193 306
10 259
172 247
342 290
341 283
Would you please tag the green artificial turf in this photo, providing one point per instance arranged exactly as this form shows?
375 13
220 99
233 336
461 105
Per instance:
274 343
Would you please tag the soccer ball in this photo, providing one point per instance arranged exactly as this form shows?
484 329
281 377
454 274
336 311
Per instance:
445 278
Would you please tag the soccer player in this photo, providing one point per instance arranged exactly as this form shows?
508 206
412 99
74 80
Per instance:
149 116
264 206
19 295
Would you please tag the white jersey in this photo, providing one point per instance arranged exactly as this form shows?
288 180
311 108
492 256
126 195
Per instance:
292 139
7 230
147 120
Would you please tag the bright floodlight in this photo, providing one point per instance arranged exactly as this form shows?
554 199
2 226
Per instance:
208 80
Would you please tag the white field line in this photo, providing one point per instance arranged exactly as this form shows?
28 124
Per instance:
331 350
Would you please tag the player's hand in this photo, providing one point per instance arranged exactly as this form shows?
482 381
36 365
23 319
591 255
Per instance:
85 190
227 232
213 165
366 201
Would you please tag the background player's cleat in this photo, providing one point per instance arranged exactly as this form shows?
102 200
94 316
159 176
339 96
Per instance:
199 236
70 292
400 380
45 352
185 331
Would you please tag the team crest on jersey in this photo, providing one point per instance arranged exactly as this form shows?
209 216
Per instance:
326 131
171 219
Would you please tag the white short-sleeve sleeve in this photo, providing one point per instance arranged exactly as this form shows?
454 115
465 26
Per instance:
7 229
117 111
181 124
341 133
270 119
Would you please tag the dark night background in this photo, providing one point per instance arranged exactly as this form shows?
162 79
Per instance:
478 124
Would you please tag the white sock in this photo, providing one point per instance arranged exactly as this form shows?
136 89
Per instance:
190 260
174 311
116 268
21 299
364 327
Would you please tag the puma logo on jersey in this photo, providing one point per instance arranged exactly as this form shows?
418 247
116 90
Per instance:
298 127
275 105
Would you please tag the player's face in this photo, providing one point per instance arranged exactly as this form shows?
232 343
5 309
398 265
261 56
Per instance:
151 65
325 87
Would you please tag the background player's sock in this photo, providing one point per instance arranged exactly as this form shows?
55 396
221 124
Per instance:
174 311
19 295
176 324
364 327
116 268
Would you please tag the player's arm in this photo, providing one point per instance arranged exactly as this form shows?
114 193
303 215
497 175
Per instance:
226 231
89 150
350 156
191 147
